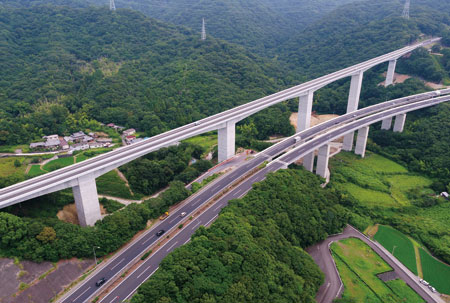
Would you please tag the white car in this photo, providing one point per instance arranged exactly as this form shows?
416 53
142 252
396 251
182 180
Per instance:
183 214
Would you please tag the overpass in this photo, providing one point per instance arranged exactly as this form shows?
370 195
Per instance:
81 176
312 139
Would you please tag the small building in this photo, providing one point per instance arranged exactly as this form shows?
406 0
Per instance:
129 132
51 137
78 136
63 143
119 128
110 125
104 140
37 145
52 144
93 135
68 138
445 195
80 146
87 138
95 145
128 139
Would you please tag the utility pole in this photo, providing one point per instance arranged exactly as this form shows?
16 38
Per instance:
405 13
203 30
112 5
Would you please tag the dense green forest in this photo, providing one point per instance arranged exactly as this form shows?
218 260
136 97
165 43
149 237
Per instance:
254 251
41 236
62 67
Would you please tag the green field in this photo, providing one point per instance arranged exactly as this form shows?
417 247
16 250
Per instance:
35 171
435 272
110 184
206 141
7 167
358 266
58 163
404 249
375 181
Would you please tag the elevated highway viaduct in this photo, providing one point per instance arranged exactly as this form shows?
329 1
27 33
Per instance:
81 176
288 151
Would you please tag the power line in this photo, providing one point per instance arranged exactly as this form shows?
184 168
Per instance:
203 29
405 13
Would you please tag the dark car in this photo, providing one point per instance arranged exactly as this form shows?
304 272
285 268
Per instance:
100 282
159 233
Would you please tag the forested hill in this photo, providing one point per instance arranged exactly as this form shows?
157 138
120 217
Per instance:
359 31
61 67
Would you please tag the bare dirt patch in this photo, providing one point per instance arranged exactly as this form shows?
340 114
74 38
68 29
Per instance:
69 213
315 119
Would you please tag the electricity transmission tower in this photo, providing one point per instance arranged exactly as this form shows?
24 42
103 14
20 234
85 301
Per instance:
203 30
405 13
112 5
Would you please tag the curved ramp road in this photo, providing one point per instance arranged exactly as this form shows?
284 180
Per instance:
312 139
68 177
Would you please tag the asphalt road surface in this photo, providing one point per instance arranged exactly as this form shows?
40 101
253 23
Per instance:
331 288
88 288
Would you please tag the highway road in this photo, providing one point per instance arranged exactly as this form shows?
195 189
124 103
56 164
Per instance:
338 128
65 177
332 286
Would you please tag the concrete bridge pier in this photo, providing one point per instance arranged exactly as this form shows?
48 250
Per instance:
361 141
322 160
386 123
304 111
390 73
86 200
308 161
399 123
352 105
226 138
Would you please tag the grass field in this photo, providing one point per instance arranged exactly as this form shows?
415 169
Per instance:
58 163
7 167
435 272
358 266
35 171
206 141
375 181
111 205
404 249
110 184
403 291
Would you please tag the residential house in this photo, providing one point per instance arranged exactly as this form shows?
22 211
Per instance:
78 136
80 146
445 195
104 140
111 125
129 132
63 143
95 145
37 145
68 138
128 139
52 144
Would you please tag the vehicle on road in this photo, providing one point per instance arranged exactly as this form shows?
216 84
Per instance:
432 288
183 214
164 216
160 232
100 282
297 139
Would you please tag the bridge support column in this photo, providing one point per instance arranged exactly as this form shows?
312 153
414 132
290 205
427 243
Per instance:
386 123
226 141
308 161
86 201
399 123
390 73
352 105
361 141
304 111
322 160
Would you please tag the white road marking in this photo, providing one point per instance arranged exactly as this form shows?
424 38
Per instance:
237 193
131 293
82 293
198 223
148 240
174 218
215 187
219 206
143 272
117 264
187 241
211 220
172 246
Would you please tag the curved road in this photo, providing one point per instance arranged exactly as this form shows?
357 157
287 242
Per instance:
331 288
